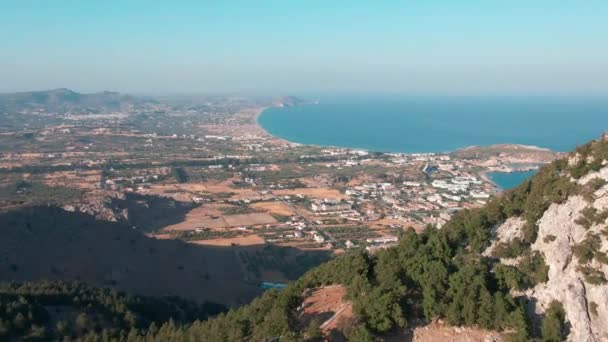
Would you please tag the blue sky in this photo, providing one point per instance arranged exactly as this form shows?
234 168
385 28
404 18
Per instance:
414 47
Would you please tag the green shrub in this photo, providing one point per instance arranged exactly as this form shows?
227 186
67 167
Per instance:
512 249
549 238
592 276
587 249
534 266
593 308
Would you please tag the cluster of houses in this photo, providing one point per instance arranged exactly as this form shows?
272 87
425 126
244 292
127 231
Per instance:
138 181
429 201
329 206
376 244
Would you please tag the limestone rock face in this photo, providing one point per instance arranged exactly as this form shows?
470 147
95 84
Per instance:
505 233
602 173
586 304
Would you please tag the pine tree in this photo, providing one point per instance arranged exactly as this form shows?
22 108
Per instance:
485 310
501 311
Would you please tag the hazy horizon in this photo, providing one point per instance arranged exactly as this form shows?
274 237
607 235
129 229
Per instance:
277 47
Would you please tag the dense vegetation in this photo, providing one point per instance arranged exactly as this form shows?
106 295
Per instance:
67 310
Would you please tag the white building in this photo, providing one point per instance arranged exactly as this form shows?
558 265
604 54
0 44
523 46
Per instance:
452 197
383 240
326 206
480 194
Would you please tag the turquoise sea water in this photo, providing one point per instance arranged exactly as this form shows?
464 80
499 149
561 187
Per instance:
440 124
509 180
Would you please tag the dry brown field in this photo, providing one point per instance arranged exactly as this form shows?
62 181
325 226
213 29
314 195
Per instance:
319 193
249 219
246 240
209 216
278 208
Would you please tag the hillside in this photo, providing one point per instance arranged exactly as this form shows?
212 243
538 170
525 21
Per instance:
65 101
520 288
530 265
58 311
50 243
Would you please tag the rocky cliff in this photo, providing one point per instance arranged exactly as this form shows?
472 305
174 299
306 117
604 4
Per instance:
572 237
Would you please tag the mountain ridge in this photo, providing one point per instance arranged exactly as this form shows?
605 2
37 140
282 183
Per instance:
64 100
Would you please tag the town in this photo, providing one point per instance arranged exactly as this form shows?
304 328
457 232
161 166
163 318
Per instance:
205 172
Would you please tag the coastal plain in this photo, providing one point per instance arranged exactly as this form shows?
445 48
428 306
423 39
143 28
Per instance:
203 172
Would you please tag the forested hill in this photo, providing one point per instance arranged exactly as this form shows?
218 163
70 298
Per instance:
498 267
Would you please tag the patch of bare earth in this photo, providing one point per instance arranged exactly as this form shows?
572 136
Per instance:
441 332
327 305
205 216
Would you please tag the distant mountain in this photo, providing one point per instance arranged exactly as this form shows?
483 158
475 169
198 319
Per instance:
67 101
288 101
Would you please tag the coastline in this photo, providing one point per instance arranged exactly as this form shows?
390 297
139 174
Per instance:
256 119
484 175
515 149
256 113
260 110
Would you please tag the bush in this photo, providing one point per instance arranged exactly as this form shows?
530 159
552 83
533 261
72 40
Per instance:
512 249
533 265
593 308
549 238
596 183
592 276
511 278
587 249
590 216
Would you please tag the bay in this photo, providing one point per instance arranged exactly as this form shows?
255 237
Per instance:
440 124
510 180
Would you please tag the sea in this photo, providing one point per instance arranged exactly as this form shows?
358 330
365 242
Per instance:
416 124
509 180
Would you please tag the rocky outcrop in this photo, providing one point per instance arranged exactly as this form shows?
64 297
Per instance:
99 205
145 212
505 233
586 304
